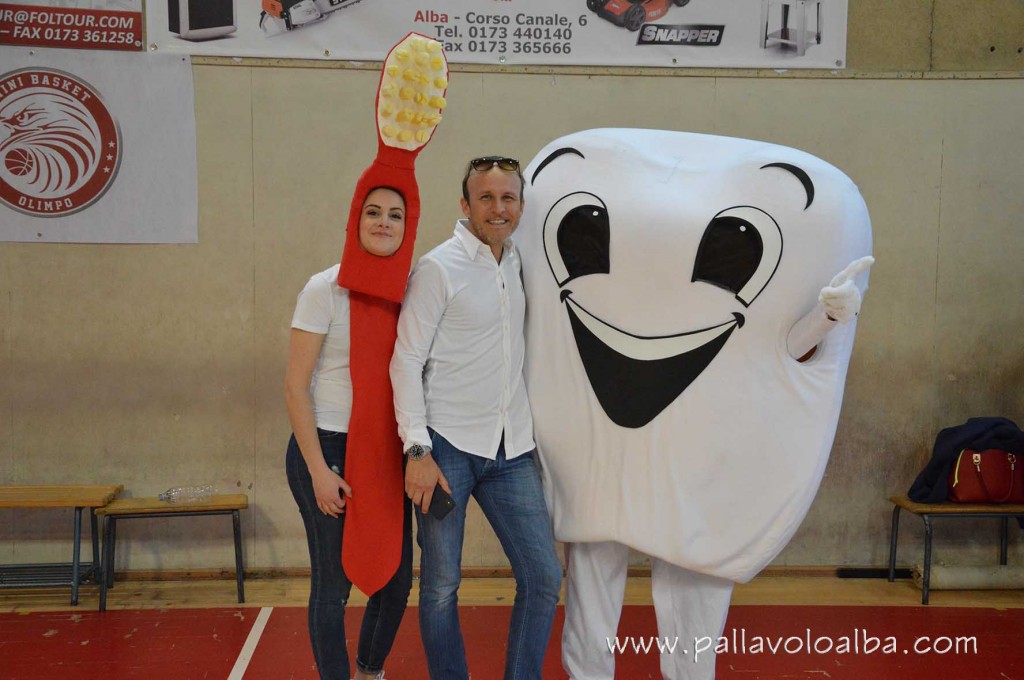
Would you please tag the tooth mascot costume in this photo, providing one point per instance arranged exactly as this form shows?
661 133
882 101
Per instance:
674 282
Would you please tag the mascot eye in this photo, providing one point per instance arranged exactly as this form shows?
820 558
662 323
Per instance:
740 251
576 237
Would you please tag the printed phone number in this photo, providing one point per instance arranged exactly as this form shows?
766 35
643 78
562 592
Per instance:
502 33
534 47
72 35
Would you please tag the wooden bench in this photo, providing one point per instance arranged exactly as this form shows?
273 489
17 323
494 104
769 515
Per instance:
75 496
135 508
926 511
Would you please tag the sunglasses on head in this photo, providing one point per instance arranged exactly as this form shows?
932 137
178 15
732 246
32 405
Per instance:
487 162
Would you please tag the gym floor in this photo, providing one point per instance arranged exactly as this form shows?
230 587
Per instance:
186 629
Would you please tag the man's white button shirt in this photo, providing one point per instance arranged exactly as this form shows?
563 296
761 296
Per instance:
458 362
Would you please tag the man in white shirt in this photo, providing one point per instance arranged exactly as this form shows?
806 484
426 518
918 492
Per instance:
458 370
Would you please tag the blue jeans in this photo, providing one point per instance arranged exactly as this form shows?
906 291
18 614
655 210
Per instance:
329 587
510 494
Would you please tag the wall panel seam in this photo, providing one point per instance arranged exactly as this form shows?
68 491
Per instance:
654 72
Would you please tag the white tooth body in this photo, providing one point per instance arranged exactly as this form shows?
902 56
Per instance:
720 478
648 348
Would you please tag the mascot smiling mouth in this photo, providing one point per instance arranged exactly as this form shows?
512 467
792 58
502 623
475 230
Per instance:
636 377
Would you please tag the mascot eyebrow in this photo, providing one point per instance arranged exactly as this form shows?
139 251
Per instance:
552 156
800 175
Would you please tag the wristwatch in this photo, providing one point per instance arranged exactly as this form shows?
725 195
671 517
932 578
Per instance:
417 451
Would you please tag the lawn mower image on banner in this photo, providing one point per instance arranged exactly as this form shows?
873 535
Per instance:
632 13
285 15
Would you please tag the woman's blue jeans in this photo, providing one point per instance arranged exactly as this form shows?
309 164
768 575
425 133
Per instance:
510 494
329 586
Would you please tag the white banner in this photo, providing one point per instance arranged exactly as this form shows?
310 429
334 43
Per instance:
97 147
672 33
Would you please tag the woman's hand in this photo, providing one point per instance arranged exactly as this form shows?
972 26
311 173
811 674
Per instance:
330 490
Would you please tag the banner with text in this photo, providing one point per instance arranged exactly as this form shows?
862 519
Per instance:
97 147
672 33
88 24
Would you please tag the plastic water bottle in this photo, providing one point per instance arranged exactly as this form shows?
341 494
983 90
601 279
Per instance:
187 494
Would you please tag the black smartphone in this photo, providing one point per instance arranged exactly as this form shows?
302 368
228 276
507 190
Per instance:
440 503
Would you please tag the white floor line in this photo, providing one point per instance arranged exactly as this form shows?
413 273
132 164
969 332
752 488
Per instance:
245 656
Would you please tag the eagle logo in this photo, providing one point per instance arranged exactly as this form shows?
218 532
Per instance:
60 147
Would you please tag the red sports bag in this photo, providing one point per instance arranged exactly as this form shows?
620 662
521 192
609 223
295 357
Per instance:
991 476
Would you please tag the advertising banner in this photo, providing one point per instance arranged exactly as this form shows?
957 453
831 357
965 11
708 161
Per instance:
96 147
670 33
84 24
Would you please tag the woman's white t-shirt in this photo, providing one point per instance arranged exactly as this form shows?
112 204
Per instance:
322 307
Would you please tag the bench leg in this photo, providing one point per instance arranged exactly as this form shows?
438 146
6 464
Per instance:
95 546
927 558
239 571
113 549
108 563
1004 526
892 542
76 557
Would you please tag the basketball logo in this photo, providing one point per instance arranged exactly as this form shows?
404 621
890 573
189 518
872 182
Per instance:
19 162
60 147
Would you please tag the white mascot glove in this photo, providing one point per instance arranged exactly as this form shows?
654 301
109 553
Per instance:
841 298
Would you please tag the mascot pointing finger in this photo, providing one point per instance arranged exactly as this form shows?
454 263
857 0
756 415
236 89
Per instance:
692 308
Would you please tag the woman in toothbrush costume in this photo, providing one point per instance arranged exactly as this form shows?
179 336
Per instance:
344 459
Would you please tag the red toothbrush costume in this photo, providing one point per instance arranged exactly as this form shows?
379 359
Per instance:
409 98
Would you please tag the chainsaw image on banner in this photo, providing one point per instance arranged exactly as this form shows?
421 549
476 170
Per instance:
279 16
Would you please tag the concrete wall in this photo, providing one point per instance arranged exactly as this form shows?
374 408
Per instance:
154 366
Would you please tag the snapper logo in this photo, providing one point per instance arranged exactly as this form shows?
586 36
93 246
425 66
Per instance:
60 147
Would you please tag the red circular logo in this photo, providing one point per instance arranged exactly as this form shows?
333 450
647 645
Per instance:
60 148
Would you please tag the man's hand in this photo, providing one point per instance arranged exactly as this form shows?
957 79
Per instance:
841 298
421 476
